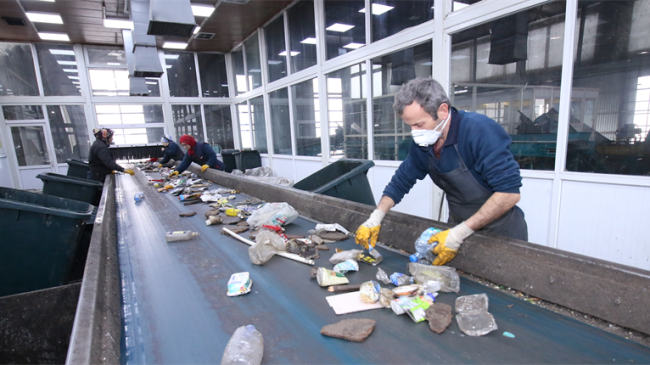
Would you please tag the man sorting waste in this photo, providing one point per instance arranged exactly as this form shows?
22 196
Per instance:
171 150
467 156
197 152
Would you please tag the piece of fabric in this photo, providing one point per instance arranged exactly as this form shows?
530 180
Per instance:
172 151
101 161
103 134
203 154
190 141
166 139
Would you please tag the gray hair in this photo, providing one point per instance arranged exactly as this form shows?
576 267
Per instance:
426 91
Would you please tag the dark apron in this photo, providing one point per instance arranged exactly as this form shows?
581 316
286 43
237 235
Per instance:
466 196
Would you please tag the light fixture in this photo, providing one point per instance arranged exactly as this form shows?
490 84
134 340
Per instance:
309 40
338 27
274 62
378 9
175 45
169 66
118 23
36 17
202 10
47 1
54 37
171 56
353 45
70 70
196 30
113 63
76 82
73 77
62 52
151 83
284 53
69 63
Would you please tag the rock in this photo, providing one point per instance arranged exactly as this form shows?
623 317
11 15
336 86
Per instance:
439 317
333 236
294 236
243 223
235 229
356 330
322 248
211 212
293 247
310 254
317 240
231 220
191 214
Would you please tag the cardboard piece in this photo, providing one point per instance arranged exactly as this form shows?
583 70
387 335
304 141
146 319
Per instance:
349 303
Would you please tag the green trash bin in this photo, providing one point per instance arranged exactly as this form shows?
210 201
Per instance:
230 159
40 234
75 188
77 168
344 179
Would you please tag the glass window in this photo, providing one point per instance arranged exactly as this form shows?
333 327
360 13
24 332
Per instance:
280 123
181 74
188 120
391 16
391 136
106 82
258 124
239 71
306 117
137 136
510 70
23 112
218 122
347 111
244 125
302 35
212 68
345 26
252 46
59 70
17 75
462 4
106 57
69 132
609 124
30 146
128 114
276 52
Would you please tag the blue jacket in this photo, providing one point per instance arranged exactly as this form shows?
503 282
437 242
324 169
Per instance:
484 147
203 155
173 150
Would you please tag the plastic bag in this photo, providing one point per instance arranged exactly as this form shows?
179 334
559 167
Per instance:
447 276
259 171
382 276
345 266
272 214
267 244
385 297
330 228
339 257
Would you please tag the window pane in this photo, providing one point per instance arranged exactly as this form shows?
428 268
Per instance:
347 111
181 74
302 35
276 52
610 115
280 123
106 82
129 114
252 46
244 125
23 112
510 70
218 122
345 28
59 70
69 132
137 136
306 118
187 120
259 124
30 146
391 16
238 70
106 57
391 136
212 68
17 76
462 4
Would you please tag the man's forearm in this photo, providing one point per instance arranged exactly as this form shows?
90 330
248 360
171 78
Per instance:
385 204
492 209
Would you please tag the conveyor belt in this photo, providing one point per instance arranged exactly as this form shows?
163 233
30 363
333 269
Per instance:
176 309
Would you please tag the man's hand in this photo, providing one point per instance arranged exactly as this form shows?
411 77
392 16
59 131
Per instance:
449 242
369 231
204 167
173 174
130 172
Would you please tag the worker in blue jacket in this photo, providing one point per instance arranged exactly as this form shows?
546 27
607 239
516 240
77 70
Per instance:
198 152
171 150
466 155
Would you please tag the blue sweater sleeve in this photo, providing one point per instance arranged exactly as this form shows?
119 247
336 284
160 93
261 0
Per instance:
166 157
414 167
212 156
187 161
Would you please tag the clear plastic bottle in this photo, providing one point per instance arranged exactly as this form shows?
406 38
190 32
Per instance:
246 346
180 235
423 247
138 196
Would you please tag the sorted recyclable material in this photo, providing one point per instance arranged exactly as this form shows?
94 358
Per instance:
206 198
447 276
343 288
213 220
385 297
231 212
369 292
273 214
382 276
267 244
373 258
185 197
331 228
355 330
399 279
339 257
190 214
138 197
473 317
423 248
246 347
327 277
180 236
407 290
345 266
415 307
349 303
239 284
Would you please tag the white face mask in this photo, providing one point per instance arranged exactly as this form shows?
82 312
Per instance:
425 137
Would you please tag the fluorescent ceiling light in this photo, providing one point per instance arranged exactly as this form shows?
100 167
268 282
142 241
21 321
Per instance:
151 83
284 53
196 30
113 63
171 56
36 17
202 10
63 52
70 70
47 1
353 45
76 82
175 45
73 77
309 40
54 37
273 62
378 9
73 63
118 23
338 27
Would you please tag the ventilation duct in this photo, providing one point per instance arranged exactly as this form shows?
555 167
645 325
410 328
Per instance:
171 18
141 45
138 86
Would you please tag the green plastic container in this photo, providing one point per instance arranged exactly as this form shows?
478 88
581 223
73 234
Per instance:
344 179
248 159
77 168
230 159
40 235
75 188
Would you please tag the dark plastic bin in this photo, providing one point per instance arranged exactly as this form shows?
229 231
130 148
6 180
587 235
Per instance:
77 168
248 159
40 234
87 191
344 179
230 159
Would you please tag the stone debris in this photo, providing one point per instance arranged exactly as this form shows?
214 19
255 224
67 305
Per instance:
211 212
332 236
243 223
355 330
191 214
231 220
439 317
322 248
317 240
310 254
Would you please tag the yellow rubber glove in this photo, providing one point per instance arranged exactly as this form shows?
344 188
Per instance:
449 242
113 172
174 173
368 232
160 166
204 167
130 172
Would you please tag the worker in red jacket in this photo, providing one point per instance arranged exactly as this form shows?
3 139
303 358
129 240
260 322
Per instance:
197 152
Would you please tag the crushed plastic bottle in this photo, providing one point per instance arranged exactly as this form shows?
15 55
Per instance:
246 346
180 235
473 317
423 248
138 196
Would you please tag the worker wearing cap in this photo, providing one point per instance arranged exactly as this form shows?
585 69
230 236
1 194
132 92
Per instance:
197 152
466 155
100 158
171 150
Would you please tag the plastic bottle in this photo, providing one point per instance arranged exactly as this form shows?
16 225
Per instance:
423 247
246 346
180 235
138 196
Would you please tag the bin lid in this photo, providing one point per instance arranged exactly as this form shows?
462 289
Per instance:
50 176
72 161
44 204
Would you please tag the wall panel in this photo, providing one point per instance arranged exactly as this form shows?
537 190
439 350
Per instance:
536 204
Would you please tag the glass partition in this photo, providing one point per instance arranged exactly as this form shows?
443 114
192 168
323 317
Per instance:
345 26
306 118
181 74
59 69
188 120
23 112
218 123
392 16
214 79
107 82
69 132
347 112
17 75
258 124
137 136
302 35
30 146
99 56
252 46
244 125
280 122
239 71
276 51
